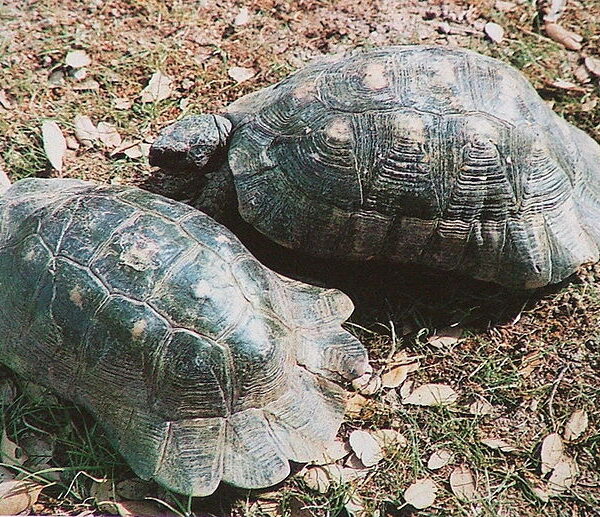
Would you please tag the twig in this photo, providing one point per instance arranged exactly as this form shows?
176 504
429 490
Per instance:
556 383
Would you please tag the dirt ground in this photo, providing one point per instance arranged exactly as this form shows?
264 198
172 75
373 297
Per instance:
533 357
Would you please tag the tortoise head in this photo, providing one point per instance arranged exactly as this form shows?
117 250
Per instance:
190 144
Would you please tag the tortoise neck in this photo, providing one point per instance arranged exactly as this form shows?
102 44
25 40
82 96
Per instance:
217 196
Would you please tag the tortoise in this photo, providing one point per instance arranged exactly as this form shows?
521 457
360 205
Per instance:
408 154
201 364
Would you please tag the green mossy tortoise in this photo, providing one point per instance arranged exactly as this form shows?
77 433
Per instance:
201 364
407 154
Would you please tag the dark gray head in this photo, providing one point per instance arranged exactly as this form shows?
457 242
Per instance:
190 143
193 153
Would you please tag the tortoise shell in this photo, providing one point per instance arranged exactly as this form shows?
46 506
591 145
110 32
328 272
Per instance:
201 364
427 155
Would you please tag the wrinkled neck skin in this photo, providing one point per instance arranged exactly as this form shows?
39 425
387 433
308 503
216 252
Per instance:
216 194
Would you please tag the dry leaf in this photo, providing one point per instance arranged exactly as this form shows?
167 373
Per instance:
367 384
122 103
529 363
5 101
554 10
88 84
552 452
389 438
421 494
17 497
240 74
567 85
481 407
589 105
85 131
333 451
366 447
130 149
158 89
593 65
80 74
439 459
431 395
109 135
7 393
355 404
77 59
396 375
242 17
494 31
446 337
498 444
55 145
505 7
576 425
563 476
582 75
463 484
566 38
405 389
317 479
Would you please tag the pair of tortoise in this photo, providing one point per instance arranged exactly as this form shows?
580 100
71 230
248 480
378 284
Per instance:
203 365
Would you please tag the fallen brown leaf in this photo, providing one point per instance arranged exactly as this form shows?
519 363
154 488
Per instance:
498 444
55 145
494 31
242 17
439 459
108 135
576 425
421 494
553 11
566 38
366 447
333 451
397 374
17 496
78 59
481 407
563 476
240 74
446 337
593 65
355 404
552 452
85 130
158 88
462 484
431 395
317 479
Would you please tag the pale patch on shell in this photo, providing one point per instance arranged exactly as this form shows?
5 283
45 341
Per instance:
222 239
339 129
202 289
139 327
305 91
443 74
411 125
374 77
139 255
76 297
